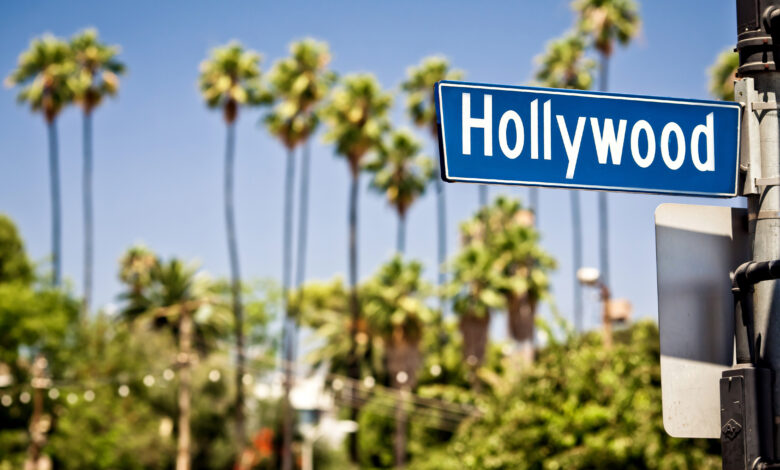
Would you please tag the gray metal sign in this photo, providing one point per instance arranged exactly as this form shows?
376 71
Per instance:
696 248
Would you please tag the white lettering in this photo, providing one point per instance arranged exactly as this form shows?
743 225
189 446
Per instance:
606 142
678 134
709 135
547 133
572 148
534 129
486 123
511 153
647 160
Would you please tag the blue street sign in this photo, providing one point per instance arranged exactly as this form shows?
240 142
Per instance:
587 140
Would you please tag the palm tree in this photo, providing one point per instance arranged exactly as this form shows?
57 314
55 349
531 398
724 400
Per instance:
564 65
324 307
475 294
95 77
229 79
421 107
356 115
299 82
402 174
43 71
606 21
396 310
520 266
169 295
722 75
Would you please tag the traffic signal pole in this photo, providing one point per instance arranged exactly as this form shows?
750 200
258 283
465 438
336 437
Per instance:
750 393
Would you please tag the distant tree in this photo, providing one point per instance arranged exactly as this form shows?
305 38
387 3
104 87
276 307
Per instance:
95 76
298 84
475 293
520 265
566 411
324 307
722 75
605 22
43 71
402 174
229 79
35 323
396 310
564 65
421 107
356 115
15 266
171 297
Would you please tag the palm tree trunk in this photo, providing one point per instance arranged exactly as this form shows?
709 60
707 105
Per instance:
400 242
56 208
87 201
354 366
235 285
37 432
303 215
185 349
441 231
289 185
399 443
533 202
483 195
576 227
602 197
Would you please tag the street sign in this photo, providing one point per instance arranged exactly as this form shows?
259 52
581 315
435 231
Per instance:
587 140
696 248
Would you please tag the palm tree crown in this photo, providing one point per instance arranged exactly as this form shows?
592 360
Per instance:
357 116
722 75
396 310
400 171
564 65
230 78
419 83
44 71
608 20
97 69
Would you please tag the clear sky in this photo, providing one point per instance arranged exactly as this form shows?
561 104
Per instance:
159 152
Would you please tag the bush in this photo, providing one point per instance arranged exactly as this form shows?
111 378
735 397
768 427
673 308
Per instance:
580 406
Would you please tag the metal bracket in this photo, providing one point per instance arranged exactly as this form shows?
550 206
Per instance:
750 138
746 426
761 105
764 182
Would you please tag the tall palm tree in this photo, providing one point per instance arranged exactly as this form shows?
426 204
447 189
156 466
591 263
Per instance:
564 65
301 82
95 77
520 266
356 115
43 71
421 107
402 174
722 75
606 21
396 310
169 295
229 79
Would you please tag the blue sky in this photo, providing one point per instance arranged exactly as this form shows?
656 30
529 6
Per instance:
159 152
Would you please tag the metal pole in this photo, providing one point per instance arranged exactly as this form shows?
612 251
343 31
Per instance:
750 398
758 27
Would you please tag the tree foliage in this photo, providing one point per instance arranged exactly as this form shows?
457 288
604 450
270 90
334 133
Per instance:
722 75
580 406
